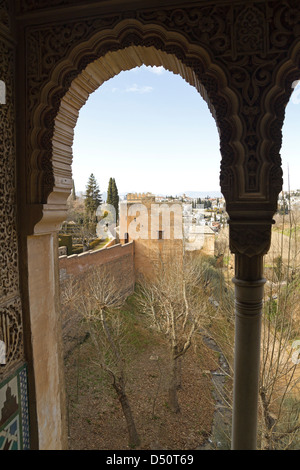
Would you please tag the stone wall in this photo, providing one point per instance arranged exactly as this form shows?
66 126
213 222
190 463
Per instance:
156 237
118 259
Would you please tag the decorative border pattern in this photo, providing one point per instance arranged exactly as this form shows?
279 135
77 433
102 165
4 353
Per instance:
14 418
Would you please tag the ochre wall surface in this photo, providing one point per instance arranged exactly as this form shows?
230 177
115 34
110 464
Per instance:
143 224
117 259
150 255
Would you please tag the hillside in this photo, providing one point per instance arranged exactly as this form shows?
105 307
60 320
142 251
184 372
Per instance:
95 416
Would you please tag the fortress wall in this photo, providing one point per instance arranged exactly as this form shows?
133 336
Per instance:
117 259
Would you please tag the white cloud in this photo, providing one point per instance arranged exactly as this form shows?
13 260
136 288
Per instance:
157 70
139 89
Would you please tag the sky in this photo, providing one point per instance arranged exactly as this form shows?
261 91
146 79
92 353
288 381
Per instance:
152 131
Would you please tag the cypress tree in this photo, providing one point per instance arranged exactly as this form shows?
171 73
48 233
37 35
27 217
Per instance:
92 200
113 196
109 199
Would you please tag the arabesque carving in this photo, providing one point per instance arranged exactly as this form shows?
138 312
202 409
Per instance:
46 47
231 51
11 333
242 56
24 6
241 39
10 304
250 239
4 14
8 235
207 25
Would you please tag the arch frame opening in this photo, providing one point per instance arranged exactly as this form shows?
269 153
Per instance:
57 95
130 44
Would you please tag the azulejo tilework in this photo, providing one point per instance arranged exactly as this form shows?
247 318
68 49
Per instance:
14 420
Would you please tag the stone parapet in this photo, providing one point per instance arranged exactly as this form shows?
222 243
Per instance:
117 259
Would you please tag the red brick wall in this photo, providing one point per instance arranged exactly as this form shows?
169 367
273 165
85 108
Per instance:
118 259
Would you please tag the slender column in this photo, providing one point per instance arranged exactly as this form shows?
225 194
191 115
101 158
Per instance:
249 287
46 341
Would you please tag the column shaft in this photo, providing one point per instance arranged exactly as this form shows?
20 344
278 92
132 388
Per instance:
249 286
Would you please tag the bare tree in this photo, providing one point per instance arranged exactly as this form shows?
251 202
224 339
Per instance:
279 410
100 303
175 304
280 376
72 331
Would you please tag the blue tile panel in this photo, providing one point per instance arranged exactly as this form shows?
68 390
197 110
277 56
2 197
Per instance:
14 418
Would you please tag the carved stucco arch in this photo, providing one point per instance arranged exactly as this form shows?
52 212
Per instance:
253 236
243 55
274 104
87 66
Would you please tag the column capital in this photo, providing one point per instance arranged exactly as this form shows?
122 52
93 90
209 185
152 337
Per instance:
44 218
250 237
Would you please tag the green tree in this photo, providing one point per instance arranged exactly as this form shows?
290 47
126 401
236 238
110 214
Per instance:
109 199
116 199
92 200
113 196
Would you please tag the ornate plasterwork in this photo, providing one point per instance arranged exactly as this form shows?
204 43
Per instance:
250 39
10 304
11 333
233 50
4 14
25 6
46 47
250 239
